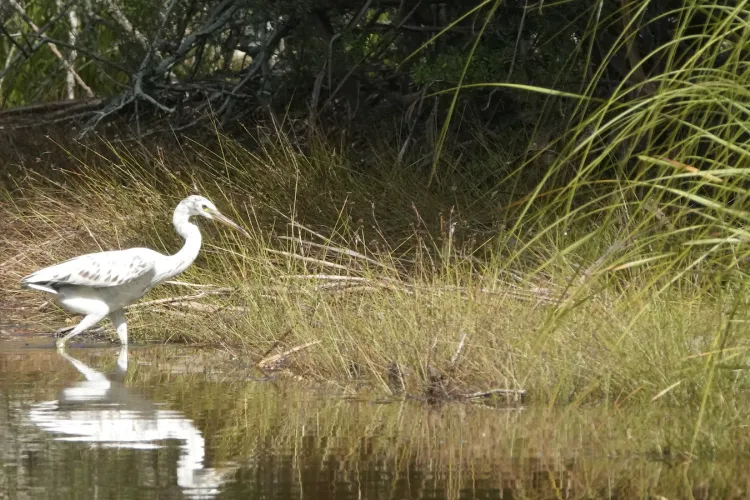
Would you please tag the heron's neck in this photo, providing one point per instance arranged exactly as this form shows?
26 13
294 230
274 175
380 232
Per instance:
189 251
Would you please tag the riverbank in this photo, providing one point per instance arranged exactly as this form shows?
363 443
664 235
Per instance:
366 278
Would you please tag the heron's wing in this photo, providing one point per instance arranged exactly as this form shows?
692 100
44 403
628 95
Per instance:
101 269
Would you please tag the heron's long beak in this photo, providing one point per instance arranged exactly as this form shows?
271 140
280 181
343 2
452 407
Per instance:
226 220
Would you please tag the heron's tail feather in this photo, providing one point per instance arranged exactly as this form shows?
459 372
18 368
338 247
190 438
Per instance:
44 287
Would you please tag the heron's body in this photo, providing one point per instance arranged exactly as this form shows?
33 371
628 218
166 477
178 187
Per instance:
100 285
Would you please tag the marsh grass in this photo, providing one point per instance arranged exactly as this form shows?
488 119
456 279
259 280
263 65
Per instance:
625 451
384 284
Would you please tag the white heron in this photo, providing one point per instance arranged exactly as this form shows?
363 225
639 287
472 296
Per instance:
99 285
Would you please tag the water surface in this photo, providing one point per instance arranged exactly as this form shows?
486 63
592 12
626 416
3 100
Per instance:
176 422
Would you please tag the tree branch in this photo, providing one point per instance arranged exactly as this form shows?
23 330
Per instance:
53 48
219 17
257 64
26 54
125 24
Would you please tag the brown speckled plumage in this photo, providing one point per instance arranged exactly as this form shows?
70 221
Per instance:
100 285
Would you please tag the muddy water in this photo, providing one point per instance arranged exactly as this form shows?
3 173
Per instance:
175 422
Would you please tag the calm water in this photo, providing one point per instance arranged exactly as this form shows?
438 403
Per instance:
174 422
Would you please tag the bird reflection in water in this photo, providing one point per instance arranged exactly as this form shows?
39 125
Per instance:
103 412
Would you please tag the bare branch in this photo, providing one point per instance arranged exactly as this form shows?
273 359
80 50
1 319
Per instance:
26 54
125 24
218 18
278 358
72 36
454 359
53 48
263 55
8 60
47 40
510 394
12 40
151 49
180 298
386 41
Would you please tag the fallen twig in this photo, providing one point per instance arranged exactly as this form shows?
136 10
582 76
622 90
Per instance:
314 233
347 283
454 359
665 391
277 342
280 357
339 250
191 285
208 308
331 277
177 312
180 298
540 294
516 394
308 259
352 288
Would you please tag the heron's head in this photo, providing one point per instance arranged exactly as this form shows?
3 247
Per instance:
198 205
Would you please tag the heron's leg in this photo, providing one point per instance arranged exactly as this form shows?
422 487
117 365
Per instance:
122 362
86 323
118 319
65 329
